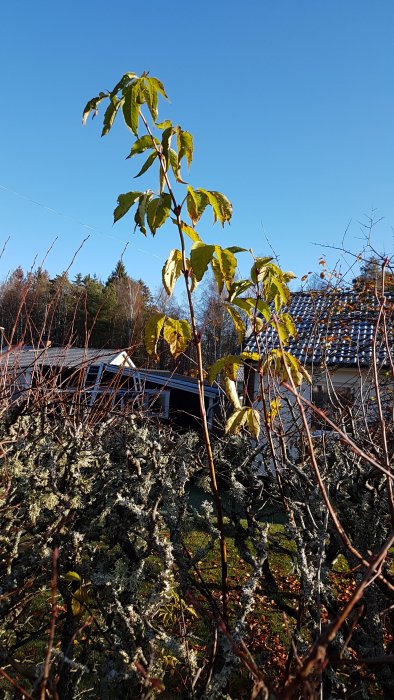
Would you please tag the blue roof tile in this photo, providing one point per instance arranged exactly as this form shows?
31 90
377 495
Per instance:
336 328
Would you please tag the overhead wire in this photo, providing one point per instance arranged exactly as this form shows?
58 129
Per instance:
93 229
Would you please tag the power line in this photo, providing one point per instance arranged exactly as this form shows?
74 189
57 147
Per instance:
74 220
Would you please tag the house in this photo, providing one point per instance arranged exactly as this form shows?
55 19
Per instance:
102 380
336 333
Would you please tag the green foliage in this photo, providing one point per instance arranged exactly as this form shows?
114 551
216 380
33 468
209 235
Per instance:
169 145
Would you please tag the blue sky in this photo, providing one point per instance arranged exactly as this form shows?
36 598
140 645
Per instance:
291 105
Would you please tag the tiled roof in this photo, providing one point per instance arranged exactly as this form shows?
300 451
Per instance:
334 328
67 357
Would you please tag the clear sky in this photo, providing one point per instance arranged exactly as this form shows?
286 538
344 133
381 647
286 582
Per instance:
291 104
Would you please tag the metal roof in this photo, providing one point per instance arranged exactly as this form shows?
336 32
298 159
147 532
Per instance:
335 328
67 357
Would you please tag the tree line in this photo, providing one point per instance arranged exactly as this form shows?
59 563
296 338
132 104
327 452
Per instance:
36 308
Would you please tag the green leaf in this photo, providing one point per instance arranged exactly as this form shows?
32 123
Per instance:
141 145
237 321
149 161
140 214
151 97
222 207
259 269
236 421
131 106
201 255
228 364
281 331
228 263
282 290
191 232
175 167
177 334
196 202
110 114
158 86
253 422
262 307
231 392
125 201
238 288
72 576
218 274
158 211
245 305
164 125
92 106
185 146
153 328
172 270
289 324
252 356
236 249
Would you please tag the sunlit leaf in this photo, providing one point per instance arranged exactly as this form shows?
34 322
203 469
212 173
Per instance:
200 256
238 288
153 328
149 161
190 232
237 321
110 114
178 335
140 214
253 422
259 268
131 107
185 145
172 270
196 202
158 211
228 364
125 201
92 106
72 576
222 207
227 263
231 392
141 145
236 421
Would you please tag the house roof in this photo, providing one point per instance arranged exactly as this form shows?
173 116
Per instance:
66 357
334 328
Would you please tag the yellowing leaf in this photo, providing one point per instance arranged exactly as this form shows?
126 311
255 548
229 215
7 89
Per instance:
196 202
227 263
79 600
227 364
158 211
72 576
200 256
274 409
191 232
259 269
231 392
253 422
185 145
237 321
172 270
236 421
222 207
153 328
177 334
